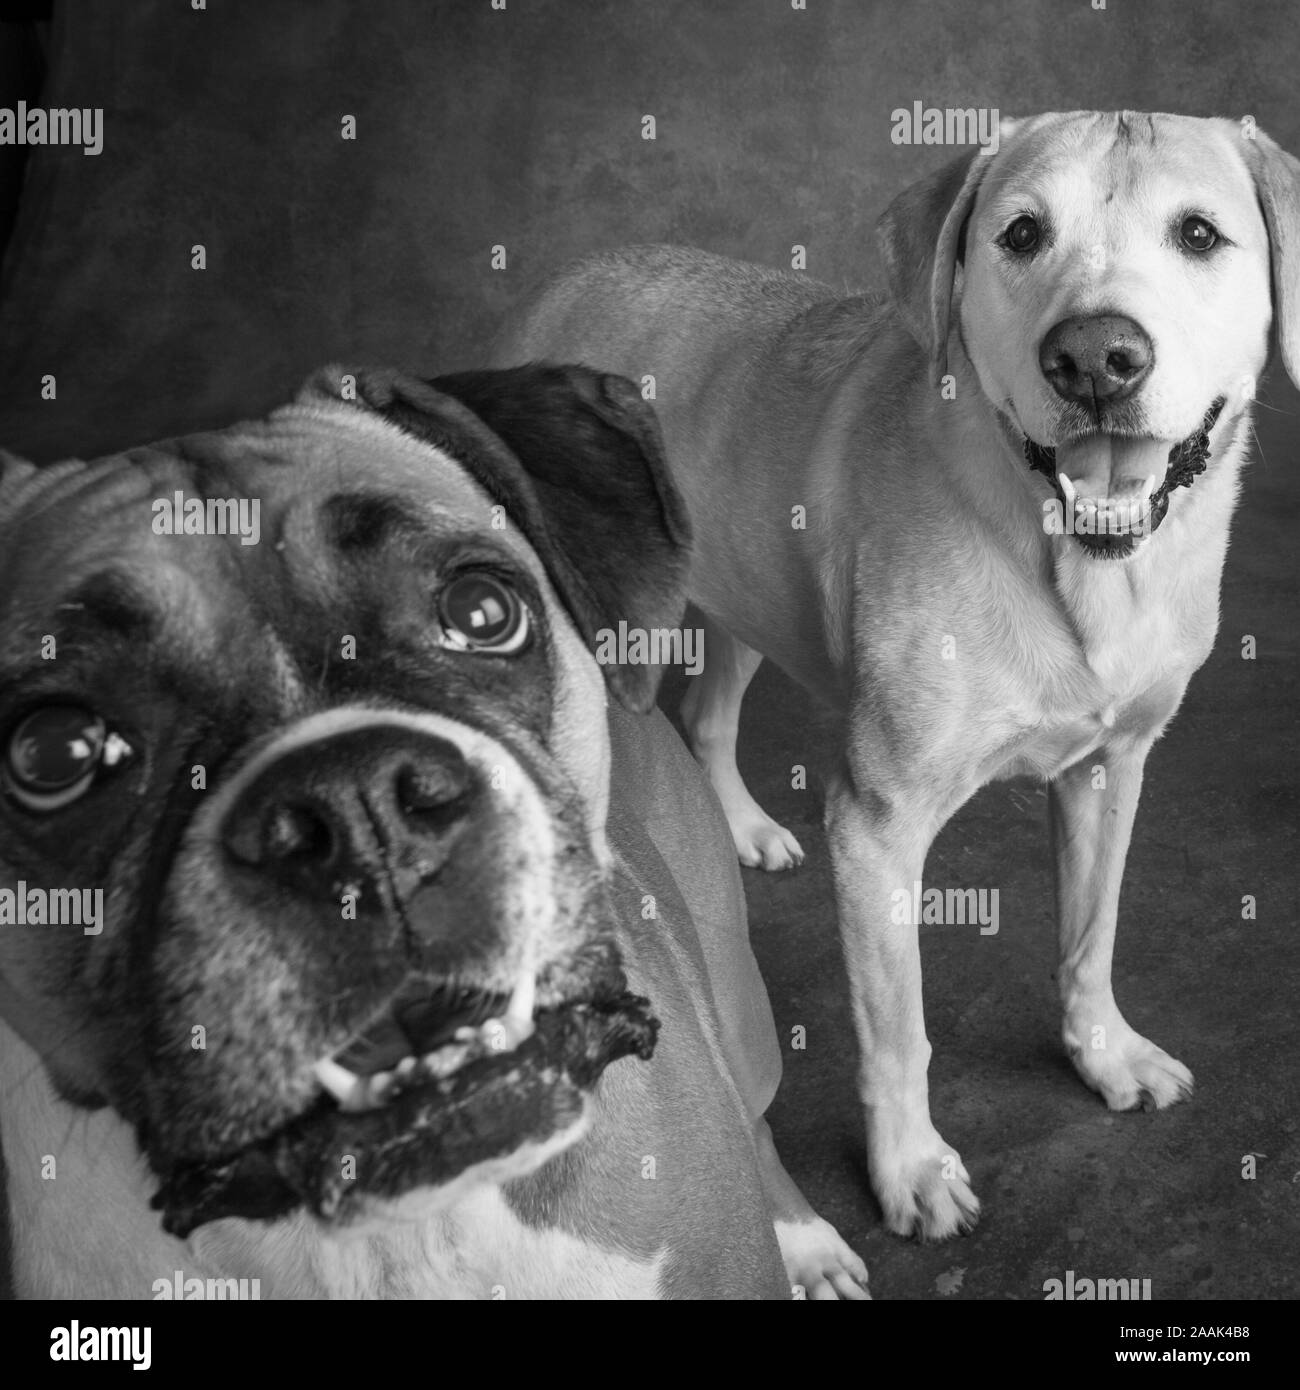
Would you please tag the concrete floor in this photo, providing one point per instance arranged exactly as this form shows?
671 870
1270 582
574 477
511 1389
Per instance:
1066 1184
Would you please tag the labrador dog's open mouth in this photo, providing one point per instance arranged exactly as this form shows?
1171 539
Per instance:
444 1080
1109 526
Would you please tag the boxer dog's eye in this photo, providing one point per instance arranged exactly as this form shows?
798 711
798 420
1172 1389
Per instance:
54 755
481 613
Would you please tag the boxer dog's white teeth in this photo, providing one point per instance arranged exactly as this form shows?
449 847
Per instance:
356 1094
350 1090
505 1033
359 1093
518 1020
446 1059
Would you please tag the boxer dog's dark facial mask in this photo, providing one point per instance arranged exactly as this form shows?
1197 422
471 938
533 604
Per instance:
342 935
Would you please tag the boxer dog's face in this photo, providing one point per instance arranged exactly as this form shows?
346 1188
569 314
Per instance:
335 782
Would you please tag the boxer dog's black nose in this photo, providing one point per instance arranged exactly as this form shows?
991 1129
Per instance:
347 810
1095 361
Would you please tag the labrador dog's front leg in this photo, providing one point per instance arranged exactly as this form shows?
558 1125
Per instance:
1092 806
920 1181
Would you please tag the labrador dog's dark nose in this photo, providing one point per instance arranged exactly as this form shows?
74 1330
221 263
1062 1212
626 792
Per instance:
350 810
1095 361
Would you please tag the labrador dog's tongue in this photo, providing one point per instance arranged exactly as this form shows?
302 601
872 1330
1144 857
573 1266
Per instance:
1109 466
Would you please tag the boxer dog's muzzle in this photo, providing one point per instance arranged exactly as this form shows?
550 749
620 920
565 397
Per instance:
340 790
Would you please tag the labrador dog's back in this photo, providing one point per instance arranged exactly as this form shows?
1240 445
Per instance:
745 366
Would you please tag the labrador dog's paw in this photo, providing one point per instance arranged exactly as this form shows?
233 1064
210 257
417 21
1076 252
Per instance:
924 1189
1129 1071
820 1262
760 842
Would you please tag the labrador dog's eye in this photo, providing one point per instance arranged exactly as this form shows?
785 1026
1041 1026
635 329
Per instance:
481 613
54 754
1197 234
1022 236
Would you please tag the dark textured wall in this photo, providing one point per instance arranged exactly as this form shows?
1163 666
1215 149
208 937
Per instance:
478 127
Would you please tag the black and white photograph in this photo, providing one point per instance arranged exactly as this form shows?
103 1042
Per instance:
648 650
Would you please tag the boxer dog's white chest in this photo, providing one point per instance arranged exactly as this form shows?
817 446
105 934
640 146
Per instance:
480 1249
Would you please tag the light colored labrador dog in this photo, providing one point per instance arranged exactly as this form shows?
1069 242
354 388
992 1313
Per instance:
985 520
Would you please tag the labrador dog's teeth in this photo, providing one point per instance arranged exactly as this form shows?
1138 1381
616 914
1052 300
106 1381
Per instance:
1068 490
1107 515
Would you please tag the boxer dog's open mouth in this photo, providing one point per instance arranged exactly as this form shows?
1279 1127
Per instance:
443 1080
1108 522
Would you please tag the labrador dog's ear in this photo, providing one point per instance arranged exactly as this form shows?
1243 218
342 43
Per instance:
922 240
921 236
576 458
1277 184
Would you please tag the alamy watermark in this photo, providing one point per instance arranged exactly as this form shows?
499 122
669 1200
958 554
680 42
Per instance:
1101 1290
946 125
179 515
945 907
38 125
652 646
22 906
73 1342
178 1288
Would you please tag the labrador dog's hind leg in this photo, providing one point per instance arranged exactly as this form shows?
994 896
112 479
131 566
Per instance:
711 717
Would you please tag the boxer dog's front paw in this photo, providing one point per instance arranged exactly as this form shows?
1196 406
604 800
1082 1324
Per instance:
1127 1070
820 1263
760 842
924 1189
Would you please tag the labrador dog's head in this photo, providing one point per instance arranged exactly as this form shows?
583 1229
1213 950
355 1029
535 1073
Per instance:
1112 278
337 778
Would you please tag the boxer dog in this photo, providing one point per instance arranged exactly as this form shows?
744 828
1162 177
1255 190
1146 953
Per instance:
348 941
984 520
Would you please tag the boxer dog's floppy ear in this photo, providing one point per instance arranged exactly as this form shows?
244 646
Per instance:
616 538
576 457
